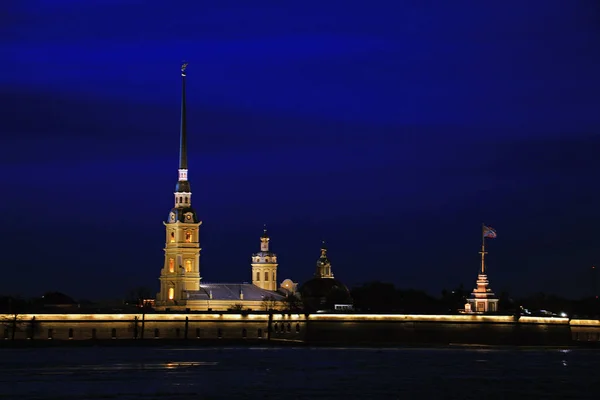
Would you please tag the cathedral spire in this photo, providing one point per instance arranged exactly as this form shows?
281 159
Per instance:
183 192
182 132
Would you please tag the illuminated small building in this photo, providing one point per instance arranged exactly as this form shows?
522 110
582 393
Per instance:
482 300
180 287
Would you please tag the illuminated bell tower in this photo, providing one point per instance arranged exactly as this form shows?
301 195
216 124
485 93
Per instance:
264 265
323 264
181 269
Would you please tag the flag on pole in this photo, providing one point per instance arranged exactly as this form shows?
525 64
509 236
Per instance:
489 232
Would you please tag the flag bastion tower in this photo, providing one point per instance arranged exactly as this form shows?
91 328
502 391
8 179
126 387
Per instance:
181 269
483 299
264 265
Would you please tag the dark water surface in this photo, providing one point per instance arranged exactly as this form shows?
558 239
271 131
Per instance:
295 373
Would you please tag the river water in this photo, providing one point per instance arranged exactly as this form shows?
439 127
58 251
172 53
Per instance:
297 373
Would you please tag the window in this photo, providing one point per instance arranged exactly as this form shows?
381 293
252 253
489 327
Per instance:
274 276
188 265
186 199
172 237
94 333
113 333
50 333
181 199
171 293
171 265
5 333
220 333
198 332
177 332
244 333
258 276
176 200
275 327
266 259
70 333
289 327
156 333
297 328
260 333
266 276
188 236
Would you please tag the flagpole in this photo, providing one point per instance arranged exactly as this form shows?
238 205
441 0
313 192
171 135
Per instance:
482 249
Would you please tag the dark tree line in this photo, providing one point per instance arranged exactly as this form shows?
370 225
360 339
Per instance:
381 297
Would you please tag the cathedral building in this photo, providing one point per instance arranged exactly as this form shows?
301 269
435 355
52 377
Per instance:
180 280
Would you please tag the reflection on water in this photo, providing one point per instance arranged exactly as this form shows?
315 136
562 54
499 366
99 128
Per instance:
192 373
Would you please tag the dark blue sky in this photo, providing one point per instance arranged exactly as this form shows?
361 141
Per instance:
392 129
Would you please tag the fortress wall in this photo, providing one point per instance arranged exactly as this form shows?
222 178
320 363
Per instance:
436 329
155 326
585 330
367 329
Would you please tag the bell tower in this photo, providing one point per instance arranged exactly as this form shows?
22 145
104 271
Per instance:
323 264
264 265
181 268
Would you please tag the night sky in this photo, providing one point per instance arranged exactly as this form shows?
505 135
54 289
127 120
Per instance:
391 129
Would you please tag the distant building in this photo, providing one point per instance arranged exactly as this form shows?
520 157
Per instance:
324 292
180 280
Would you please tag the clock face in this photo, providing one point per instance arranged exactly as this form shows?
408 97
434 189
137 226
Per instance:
188 217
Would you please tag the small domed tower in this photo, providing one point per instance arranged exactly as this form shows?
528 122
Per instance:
323 264
264 265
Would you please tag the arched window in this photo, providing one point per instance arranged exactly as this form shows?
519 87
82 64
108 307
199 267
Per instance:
171 293
273 276
156 333
188 236
220 333
186 199
70 333
181 199
266 259
172 237
188 265
113 333
260 333
289 327
258 276
244 333
176 200
171 265
297 328
198 332
266 276
50 333
275 327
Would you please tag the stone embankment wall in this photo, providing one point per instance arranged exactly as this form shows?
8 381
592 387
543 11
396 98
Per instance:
325 329
152 326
